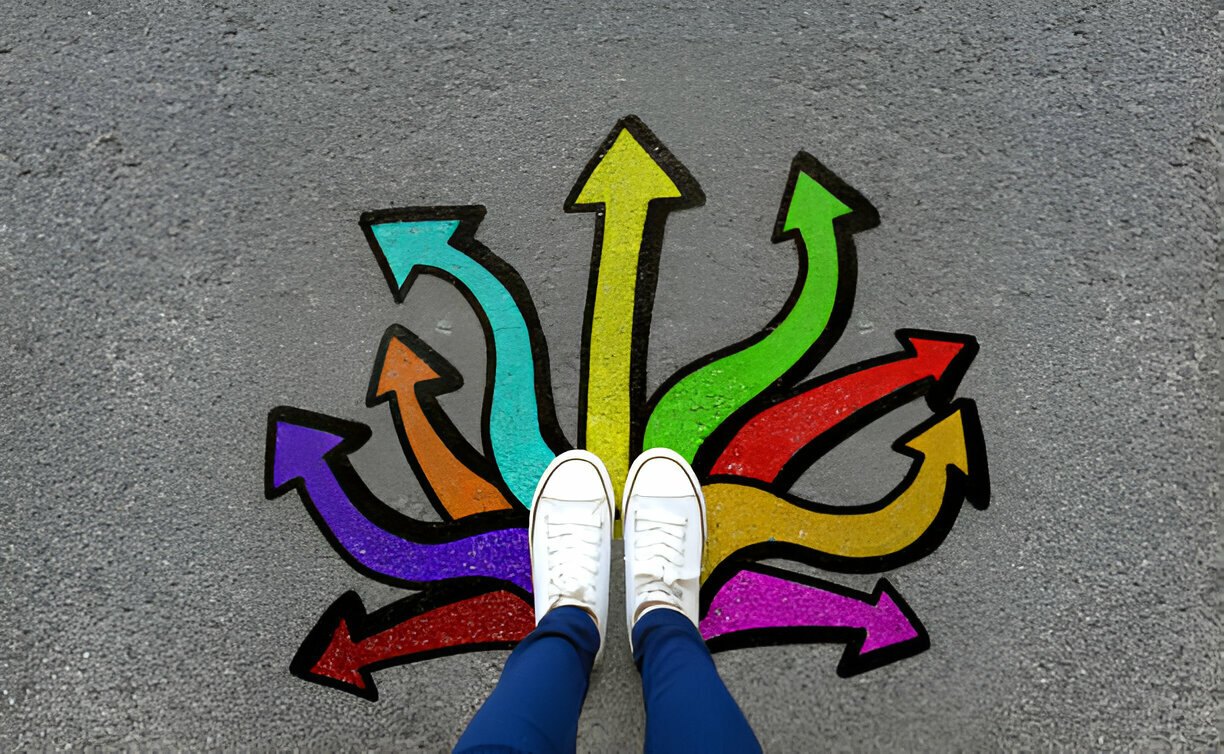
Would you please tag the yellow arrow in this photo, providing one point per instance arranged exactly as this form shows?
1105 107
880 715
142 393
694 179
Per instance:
632 182
924 504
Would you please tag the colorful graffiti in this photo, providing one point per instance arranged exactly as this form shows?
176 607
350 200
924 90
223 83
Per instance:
740 415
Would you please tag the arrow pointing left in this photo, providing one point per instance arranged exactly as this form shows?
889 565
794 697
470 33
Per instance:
346 646
309 452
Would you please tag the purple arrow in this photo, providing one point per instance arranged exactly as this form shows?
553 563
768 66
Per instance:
769 598
299 455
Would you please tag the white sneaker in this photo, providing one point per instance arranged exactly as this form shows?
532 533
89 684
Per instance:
665 533
570 532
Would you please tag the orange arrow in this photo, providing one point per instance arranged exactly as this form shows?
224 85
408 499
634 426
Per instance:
454 476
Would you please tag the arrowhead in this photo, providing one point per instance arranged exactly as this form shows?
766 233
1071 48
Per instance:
298 443
341 660
934 355
942 441
404 245
815 195
402 239
405 361
888 624
811 203
634 167
299 451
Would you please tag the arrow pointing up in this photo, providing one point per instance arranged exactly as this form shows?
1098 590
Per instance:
819 212
410 375
633 182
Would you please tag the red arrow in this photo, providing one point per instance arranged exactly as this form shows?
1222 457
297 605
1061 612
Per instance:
346 645
847 399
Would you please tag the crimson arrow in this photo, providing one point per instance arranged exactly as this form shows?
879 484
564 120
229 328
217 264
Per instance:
346 646
780 442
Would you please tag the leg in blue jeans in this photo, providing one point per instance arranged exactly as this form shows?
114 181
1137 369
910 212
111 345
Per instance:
688 708
536 703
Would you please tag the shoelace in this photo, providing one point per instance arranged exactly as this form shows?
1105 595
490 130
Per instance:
573 551
659 556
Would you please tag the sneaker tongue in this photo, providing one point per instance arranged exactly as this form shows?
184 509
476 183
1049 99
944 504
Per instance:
575 511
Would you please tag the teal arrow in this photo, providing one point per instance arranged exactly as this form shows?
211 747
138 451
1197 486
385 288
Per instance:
818 213
519 422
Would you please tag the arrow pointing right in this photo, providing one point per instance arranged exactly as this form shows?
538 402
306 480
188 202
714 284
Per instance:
763 605
766 447
906 524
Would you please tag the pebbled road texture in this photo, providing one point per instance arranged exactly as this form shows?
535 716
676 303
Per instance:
179 195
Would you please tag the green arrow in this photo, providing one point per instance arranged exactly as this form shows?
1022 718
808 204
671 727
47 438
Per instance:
633 182
819 213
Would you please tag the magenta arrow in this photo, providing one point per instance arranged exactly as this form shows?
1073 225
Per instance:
878 628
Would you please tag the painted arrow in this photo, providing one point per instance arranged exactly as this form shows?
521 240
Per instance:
410 375
762 605
777 444
346 646
309 452
819 213
909 523
519 424
633 182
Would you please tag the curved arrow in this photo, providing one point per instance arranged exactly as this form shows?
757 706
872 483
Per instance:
819 212
346 646
633 182
907 524
777 444
520 425
309 452
762 605
410 375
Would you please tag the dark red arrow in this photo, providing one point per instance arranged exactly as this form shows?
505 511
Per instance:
786 433
346 646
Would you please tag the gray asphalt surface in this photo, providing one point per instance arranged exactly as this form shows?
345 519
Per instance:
179 195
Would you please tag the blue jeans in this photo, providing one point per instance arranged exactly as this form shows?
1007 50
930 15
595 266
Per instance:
536 704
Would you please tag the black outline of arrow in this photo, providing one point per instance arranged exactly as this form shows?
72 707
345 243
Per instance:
464 240
862 216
